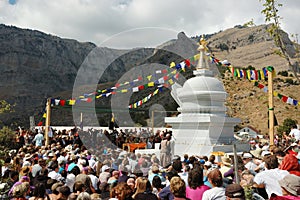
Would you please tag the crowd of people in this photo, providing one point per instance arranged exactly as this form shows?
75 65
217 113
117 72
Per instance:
92 165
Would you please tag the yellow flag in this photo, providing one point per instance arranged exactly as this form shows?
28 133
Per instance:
124 90
44 115
134 105
150 84
174 72
81 97
248 74
275 93
172 64
149 77
71 102
171 81
197 57
98 96
155 92
262 75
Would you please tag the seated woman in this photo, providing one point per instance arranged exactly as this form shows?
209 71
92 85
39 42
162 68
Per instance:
121 191
177 187
196 186
143 190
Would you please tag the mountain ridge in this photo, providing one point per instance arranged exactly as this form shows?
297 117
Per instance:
35 66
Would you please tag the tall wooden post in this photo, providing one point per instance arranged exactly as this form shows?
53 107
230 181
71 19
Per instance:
48 114
152 120
271 106
236 170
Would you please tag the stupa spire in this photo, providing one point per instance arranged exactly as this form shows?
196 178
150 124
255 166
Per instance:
202 68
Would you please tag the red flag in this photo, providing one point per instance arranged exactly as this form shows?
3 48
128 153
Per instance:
166 78
117 85
284 98
140 78
40 124
141 87
89 100
187 62
164 71
62 102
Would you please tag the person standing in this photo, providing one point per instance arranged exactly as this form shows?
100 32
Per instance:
38 139
165 151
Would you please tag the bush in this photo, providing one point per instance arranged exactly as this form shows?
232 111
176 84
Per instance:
7 138
286 126
283 73
289 80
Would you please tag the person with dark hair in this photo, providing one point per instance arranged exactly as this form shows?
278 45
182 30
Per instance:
64 192
165 193
217 191
71 177
234 192
269 178
157 186
39 192
41 177
104 190
196 186
178 189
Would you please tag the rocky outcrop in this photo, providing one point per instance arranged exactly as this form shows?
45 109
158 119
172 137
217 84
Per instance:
35 65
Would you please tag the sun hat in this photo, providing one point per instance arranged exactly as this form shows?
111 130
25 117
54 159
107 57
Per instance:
257 153
291 183
56 185
247 155
71 166
104 168
234 191
226 161
265 153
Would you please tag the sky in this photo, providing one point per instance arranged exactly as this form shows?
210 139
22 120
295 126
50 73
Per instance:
138 23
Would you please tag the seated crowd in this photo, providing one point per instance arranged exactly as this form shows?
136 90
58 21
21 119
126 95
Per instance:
66 169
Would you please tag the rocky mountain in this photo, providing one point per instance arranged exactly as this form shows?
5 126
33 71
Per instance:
35 66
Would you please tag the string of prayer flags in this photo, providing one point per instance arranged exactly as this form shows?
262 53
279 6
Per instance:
243 73
284 98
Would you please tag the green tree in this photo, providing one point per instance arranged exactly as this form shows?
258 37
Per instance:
6 107
286 126
271 15
249 23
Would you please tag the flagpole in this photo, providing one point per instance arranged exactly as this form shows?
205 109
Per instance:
271 105
48 114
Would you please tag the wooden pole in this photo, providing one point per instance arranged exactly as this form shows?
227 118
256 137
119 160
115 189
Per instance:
236 171
48 114
152 117
271 107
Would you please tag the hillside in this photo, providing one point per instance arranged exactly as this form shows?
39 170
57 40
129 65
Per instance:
35 66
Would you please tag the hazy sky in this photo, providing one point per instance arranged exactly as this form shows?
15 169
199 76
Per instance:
138 22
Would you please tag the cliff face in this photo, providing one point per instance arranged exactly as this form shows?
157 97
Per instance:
34 66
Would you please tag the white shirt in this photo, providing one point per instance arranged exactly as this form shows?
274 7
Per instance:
55 175
251 166
214 193
295 133
94 180
270 179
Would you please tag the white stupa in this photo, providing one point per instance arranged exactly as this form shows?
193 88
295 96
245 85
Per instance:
202 127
